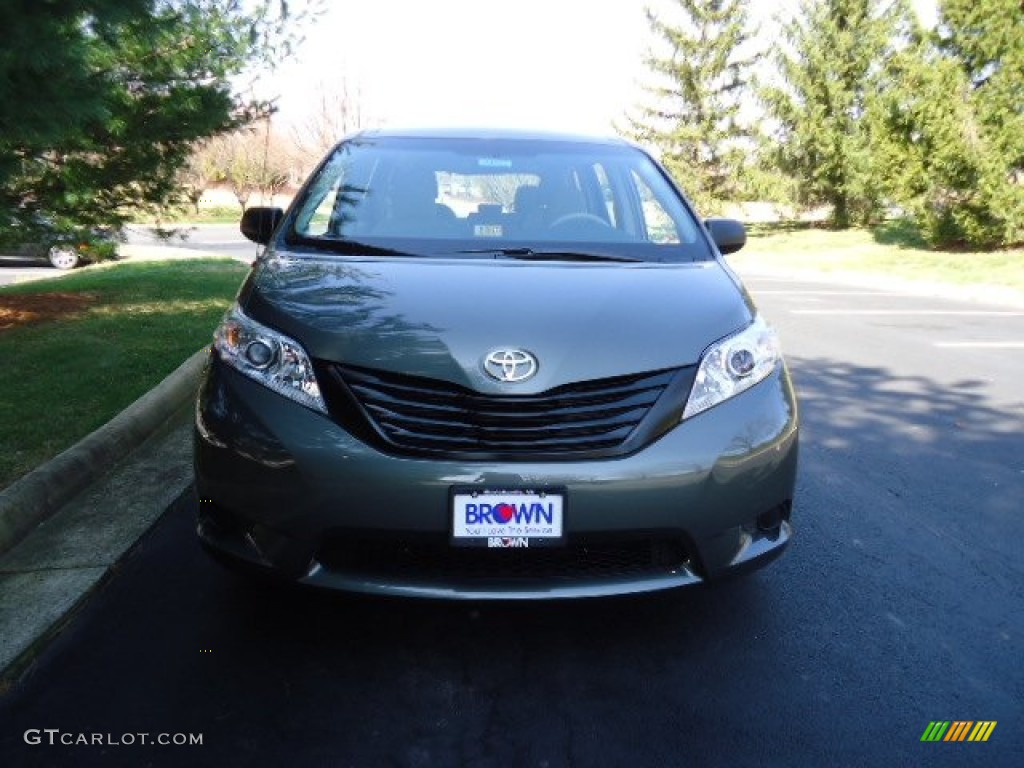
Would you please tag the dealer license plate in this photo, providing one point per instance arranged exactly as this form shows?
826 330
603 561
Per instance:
508 518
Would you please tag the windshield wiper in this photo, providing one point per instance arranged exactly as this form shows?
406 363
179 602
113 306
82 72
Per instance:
353 247
532 254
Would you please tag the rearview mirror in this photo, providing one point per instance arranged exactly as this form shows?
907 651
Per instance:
259 223
729 235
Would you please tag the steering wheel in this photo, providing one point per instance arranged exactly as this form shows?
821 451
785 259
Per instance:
570 219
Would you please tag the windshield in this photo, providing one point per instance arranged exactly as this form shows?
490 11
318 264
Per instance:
434 196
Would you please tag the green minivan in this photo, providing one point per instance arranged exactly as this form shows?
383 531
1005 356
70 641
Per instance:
494 365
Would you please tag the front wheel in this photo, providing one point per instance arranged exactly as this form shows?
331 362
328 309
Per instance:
64 257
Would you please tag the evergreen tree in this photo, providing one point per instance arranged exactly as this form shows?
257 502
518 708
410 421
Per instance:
830 67
693 112
102 100
954 127
987 38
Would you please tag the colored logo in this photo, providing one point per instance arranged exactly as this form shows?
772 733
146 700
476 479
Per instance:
503 513
510 365
958 730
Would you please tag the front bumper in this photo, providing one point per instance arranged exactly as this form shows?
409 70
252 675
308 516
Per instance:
285 489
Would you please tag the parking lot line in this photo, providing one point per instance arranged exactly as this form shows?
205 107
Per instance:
979 344
912 312
812 292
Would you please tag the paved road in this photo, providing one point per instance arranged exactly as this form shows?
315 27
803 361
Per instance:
218 238
900 602
16 270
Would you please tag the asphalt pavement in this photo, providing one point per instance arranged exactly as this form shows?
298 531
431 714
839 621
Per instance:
900 602
224 239
14 269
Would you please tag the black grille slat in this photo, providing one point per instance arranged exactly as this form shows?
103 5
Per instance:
454 397
472 442
567 426
436 405
432 416
529 412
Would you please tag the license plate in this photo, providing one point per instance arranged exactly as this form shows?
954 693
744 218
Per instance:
508 519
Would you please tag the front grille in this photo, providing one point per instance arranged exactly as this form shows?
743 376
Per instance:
420 415
435 560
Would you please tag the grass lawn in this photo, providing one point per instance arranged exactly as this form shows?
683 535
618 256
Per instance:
891 250
77 350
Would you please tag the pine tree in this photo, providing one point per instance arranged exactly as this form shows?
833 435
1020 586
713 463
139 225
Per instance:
102 100
830 67
954 127
693 114
987 38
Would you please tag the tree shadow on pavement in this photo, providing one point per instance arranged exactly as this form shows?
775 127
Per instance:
917 436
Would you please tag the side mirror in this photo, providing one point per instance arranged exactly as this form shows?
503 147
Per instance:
729 235
259 223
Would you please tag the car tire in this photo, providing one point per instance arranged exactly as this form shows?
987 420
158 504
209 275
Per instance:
64 257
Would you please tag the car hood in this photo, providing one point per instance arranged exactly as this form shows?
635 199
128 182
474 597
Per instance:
440 318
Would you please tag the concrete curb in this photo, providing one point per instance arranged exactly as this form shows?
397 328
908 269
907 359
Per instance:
46 489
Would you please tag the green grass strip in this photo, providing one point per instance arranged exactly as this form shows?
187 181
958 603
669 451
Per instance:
891 251
94 341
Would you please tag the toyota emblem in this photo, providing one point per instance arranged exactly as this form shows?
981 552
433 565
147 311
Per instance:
510 365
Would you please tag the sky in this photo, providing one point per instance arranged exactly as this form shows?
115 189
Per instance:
574 65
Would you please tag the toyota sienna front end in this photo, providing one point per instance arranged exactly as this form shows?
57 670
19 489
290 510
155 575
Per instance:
494 365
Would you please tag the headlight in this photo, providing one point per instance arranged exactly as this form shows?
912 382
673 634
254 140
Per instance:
271 358
733 365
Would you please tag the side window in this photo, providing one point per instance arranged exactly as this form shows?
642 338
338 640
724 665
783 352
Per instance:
657 223
316 217
320 221
342 198
607 193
